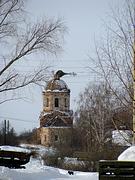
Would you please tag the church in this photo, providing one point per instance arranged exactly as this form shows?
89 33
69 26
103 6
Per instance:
56 118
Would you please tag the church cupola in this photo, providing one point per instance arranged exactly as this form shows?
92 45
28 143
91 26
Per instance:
56 95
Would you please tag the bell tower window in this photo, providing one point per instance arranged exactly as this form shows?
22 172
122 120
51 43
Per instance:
45 137
47 102
56 102
56 138
65 102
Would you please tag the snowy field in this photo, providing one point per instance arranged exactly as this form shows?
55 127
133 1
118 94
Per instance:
35 170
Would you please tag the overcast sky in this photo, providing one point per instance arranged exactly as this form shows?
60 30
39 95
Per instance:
85 22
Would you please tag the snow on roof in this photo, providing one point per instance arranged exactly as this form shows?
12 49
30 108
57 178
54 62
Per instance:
61 83
14 148
56 86
122 137
56 90
46 113
55 127
68 113
40 149
128 154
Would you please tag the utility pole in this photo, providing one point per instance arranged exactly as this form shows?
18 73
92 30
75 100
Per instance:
5 132
134 77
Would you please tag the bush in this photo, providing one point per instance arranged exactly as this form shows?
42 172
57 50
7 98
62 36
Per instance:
73 164
50 160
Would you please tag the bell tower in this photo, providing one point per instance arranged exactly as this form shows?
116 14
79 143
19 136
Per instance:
56 120
56 96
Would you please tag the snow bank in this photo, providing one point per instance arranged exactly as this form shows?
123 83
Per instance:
128 154
14 148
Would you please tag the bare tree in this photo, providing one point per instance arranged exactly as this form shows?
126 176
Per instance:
114 55
97 117
19 39
95 112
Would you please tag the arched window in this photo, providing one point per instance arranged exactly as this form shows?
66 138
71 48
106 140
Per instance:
65 102
56 138
56 102
47 102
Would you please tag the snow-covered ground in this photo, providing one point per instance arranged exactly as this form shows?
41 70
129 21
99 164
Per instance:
35 170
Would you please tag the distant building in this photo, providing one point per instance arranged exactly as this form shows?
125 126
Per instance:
56 120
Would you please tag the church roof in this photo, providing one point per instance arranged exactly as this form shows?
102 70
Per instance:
56 118
56 122
56 85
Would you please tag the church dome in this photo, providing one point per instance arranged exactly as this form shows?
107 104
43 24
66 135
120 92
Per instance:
56 85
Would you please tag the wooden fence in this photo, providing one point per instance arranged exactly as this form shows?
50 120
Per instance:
116 170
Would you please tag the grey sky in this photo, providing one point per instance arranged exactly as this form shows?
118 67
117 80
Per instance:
84 19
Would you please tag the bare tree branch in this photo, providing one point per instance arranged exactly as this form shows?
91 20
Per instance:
115 55
20 39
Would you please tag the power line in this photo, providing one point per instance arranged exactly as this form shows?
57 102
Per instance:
18 119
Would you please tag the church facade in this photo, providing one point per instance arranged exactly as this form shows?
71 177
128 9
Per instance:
56 118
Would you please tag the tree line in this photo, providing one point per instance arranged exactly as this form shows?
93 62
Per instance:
9 136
